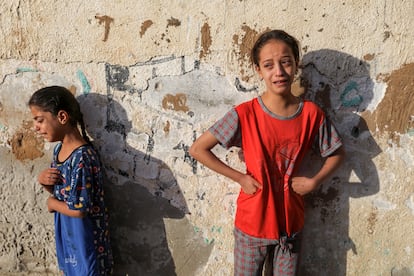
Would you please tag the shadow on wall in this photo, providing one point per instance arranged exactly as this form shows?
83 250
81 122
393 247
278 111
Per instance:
341 85
138 217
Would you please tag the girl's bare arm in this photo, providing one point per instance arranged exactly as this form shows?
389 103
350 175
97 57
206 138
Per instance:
201 151
54 205
304 185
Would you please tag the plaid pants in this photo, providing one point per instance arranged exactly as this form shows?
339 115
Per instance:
279 257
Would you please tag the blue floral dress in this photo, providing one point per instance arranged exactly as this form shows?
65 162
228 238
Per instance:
82 244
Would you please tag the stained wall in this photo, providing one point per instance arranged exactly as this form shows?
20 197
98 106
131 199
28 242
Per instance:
151 76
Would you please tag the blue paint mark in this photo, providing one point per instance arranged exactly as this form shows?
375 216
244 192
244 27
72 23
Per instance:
216 229
353 102
86 87
208 241
25 69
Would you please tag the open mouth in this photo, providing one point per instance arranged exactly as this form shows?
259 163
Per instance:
280 82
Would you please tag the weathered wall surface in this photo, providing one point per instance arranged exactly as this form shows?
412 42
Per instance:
152 76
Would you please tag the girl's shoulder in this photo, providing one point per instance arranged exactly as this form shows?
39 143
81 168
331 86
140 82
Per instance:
248 105
86 150
311 109
84 153
310 105
57 148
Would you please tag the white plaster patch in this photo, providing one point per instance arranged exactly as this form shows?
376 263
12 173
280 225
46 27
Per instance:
4 136
353 177
136 140
379 89
405 152
384 204
410 203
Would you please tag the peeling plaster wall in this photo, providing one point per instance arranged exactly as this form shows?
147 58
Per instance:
152 76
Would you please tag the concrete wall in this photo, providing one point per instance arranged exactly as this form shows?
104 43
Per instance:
151 76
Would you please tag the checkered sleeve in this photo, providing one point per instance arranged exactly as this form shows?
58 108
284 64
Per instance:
329 139
227 130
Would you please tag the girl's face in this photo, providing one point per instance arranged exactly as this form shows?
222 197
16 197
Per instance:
46 124
277 67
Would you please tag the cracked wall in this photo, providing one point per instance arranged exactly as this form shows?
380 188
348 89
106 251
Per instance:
151 78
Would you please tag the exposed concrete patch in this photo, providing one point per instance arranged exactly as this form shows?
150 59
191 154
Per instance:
369 57
205 40
372 220
173 22
394 114
243 47
165 35
26 144
144 27
176 102
167 127
107 21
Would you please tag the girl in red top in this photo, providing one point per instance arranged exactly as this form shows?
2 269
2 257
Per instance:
275 131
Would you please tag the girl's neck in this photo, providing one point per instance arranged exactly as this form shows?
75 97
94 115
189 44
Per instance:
281 105
71 141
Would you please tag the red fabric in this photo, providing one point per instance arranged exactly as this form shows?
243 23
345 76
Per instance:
272 148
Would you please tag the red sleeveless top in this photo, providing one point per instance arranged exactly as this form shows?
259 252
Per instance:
273 147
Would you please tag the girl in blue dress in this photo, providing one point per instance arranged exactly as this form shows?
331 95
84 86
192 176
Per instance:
75 183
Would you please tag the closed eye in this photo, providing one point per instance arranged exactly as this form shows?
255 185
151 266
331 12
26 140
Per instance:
38 119
286 62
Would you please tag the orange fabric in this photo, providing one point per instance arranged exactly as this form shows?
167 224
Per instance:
272 148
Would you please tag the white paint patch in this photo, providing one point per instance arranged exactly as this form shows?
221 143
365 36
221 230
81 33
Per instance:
377 95
384 204
353 177
410 203
405 151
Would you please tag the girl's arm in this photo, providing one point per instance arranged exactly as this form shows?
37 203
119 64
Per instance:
304 185
201 151
54 205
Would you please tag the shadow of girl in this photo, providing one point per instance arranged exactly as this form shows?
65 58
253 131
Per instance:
142 194
341 85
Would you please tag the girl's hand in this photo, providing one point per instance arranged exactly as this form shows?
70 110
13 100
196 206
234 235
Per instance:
49 176
249 185
303 185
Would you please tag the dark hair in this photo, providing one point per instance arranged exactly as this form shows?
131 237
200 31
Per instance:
274 35
55 98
